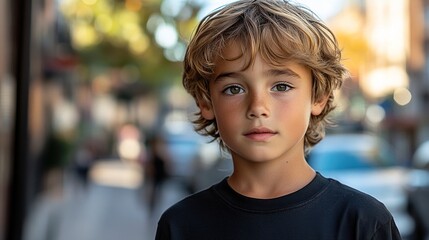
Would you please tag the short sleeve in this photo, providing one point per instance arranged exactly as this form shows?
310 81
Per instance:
388 231
162 231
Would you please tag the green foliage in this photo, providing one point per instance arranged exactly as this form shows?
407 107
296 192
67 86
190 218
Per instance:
113 34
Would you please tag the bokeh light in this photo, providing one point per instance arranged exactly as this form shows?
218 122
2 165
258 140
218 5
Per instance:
166 35
375 114
402 96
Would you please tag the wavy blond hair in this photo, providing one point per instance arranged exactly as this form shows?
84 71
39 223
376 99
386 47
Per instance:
279 31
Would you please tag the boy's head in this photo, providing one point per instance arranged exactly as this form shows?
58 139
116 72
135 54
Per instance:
280 32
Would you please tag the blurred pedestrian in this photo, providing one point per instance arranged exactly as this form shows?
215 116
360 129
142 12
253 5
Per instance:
156 168
84 159
263 74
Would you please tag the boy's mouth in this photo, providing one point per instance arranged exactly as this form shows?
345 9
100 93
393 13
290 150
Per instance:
260 134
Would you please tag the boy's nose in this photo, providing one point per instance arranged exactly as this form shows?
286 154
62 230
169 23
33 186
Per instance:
258 106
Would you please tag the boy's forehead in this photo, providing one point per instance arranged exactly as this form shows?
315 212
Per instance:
239 56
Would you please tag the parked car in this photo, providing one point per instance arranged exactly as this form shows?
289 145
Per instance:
419 195
367 163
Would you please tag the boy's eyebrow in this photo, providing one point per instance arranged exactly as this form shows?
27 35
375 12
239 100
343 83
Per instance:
270 72
278 72
227 74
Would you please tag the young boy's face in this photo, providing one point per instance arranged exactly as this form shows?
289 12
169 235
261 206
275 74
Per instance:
262 112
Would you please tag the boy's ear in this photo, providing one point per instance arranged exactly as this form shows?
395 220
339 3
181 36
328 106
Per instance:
319 105
206 109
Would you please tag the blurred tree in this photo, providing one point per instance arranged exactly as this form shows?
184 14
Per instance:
144 34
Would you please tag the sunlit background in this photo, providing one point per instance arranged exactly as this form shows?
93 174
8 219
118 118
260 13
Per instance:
103 80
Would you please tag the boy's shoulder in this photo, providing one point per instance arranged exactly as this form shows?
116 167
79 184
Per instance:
356 201
193 204
361 210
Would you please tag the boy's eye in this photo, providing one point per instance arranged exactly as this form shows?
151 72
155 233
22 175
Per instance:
232 90
281 87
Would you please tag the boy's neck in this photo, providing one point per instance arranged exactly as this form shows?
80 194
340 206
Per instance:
265 181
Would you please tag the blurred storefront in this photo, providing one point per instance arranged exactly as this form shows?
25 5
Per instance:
32 54
57 107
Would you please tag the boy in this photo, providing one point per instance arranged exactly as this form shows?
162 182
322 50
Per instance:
263 74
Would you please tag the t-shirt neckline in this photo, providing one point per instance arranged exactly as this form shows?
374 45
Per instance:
289 201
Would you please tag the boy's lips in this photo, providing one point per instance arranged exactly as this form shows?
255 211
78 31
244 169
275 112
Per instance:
260 134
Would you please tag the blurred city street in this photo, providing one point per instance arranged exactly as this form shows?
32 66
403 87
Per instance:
99 211
96 133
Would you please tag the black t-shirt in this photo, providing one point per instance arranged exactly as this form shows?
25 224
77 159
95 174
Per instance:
324 209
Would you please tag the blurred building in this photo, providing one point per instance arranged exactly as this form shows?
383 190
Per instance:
405 48
48 106
385 47
386 78
33 53
418 63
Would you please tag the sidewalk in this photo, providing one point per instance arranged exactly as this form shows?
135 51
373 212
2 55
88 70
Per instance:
98 212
